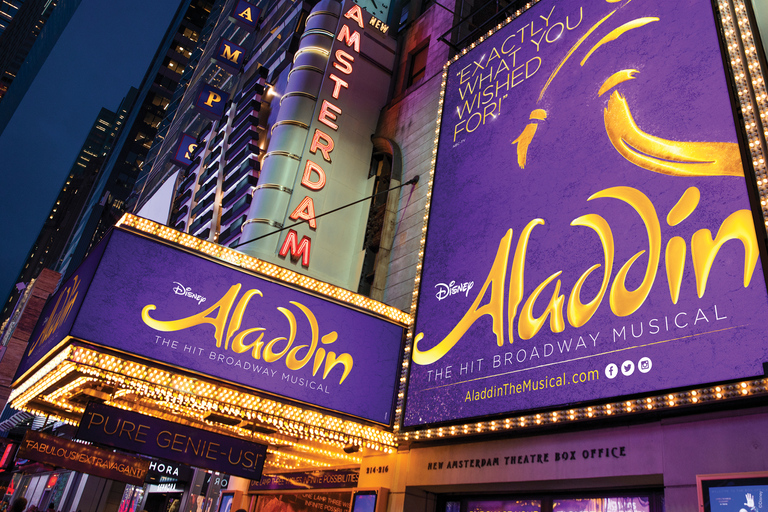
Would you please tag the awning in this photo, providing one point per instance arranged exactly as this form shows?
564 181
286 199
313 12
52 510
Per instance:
16 419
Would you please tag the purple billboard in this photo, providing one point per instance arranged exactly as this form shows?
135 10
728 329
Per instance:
159 302
590 232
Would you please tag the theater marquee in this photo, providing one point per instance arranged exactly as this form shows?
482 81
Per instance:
152 300
590 233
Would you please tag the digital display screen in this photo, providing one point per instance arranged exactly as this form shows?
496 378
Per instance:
740 492
146 298
364 502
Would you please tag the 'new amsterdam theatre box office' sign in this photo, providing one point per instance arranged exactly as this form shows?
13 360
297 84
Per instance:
147 298
606 242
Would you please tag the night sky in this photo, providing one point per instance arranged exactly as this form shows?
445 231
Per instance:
105 49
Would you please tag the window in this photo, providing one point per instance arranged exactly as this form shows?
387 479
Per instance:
190 34
160 101
173 65
152 120
418 65
183 51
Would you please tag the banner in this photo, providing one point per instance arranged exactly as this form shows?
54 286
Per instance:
309 502
91 460
167 440
326 479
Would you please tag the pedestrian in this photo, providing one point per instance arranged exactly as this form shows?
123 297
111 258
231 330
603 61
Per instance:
18 505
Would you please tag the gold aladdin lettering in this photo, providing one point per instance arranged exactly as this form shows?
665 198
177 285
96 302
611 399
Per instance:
269 351
59 315
623 302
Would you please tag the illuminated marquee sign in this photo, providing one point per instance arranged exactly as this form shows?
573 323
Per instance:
59 314
230 56
185 150
165 439
152 300
590 232
211 101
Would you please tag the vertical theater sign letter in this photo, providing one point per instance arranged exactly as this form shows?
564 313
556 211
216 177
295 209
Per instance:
314 176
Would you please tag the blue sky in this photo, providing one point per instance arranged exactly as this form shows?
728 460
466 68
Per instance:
105 49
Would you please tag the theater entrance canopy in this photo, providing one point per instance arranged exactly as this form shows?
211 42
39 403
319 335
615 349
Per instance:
168 325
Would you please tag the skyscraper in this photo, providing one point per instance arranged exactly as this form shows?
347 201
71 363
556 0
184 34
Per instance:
152 104
29 30
62 219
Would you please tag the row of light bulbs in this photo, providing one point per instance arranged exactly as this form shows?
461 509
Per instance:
757 387
236 403
191 398
269 270
751 88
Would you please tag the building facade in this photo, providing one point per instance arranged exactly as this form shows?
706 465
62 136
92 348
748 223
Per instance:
441 256
28 32
121 167
48 249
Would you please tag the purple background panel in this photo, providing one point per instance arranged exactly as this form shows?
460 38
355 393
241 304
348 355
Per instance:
136 272
38 348
241 7
169 440
679 92
224 62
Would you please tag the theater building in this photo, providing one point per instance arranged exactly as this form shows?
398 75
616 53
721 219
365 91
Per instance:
440 257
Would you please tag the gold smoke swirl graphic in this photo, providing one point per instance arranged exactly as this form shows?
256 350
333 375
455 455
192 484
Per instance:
615 79
525 138
570 52
615 33
673 158
664 156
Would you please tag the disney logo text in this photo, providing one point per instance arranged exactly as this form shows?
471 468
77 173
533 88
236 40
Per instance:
446 290
179 289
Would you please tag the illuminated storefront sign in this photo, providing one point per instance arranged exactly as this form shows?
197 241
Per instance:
152 300
590 231
230 56
211 101
185 150
169 440
91 460
246 15
167 471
